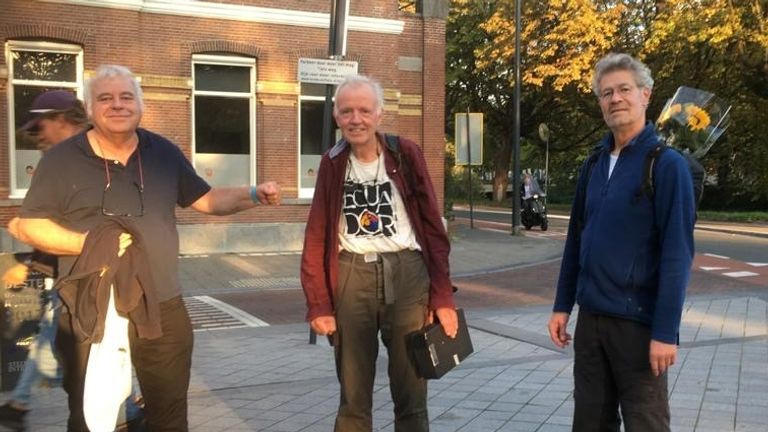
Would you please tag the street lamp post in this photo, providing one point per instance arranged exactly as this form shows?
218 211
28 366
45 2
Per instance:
516 140
337 49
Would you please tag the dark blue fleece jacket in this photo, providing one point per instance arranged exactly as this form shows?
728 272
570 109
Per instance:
633 256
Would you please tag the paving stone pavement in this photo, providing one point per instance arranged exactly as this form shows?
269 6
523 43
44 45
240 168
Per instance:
271 379
258 378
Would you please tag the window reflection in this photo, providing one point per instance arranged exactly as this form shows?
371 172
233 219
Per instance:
44 66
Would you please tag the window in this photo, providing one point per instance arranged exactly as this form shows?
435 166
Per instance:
34 68
223 107
311 106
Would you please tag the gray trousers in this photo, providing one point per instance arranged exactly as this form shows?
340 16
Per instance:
388 296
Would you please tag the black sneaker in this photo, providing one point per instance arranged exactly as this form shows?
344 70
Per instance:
12 418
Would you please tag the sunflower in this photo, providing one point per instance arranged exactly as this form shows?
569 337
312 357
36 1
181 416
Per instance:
698 119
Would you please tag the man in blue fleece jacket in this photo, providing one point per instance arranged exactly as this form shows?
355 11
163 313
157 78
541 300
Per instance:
626 262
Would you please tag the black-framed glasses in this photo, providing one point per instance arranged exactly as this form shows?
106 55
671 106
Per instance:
123 198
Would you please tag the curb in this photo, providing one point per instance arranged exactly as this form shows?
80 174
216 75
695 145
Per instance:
727 230
744 230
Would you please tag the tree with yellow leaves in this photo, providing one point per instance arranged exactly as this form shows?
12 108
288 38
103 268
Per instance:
720 46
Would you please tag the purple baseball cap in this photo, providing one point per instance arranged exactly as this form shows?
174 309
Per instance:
48 102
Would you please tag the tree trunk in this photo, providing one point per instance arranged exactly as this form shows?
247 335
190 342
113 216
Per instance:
500 170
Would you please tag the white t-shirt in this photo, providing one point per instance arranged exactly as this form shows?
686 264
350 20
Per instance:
373 216
614 159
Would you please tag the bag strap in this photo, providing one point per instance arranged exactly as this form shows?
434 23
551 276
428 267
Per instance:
393 143
647 186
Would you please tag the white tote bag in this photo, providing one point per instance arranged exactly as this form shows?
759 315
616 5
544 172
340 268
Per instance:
108 377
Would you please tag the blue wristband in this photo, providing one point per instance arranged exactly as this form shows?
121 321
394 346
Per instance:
254 196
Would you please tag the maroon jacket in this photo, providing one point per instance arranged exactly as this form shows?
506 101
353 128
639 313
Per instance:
406 167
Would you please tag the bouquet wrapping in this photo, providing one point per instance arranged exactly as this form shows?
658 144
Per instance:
692 120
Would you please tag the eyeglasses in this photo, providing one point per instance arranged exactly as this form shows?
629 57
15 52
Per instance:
624 91
125 199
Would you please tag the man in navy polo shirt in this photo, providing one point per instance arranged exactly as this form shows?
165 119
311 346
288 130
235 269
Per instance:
117 169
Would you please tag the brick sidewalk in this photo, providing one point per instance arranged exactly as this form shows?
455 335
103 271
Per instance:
270 379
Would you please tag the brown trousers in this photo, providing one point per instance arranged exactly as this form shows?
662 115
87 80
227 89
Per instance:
389 296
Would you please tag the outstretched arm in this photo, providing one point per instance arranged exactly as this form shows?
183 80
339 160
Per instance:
222 201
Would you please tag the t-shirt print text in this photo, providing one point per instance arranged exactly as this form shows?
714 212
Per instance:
368 209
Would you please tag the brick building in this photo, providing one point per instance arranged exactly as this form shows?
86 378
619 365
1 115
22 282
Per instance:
220 80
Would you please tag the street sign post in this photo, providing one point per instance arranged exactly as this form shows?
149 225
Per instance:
469 148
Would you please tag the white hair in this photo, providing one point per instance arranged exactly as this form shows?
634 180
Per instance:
110 72
362 80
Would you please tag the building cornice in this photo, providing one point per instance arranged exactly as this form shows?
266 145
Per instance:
206 9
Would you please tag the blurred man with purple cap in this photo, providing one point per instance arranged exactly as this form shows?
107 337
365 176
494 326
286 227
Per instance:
55 116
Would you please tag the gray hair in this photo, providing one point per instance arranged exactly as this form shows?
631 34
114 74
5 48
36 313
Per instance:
622 62
109 72
362 80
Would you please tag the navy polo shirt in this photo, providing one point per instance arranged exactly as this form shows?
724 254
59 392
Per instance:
69 183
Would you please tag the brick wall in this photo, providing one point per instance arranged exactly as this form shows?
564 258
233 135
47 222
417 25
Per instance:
158 48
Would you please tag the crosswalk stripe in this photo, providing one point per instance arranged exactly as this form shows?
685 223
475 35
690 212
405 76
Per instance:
207 313
238 314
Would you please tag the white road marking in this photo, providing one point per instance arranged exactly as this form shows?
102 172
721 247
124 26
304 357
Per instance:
740 274
497 230
705 268
258 254
716 256
756 264
238 314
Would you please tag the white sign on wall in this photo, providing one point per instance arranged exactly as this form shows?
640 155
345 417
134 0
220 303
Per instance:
325 71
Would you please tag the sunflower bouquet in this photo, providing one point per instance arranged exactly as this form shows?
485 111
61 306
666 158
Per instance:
692 120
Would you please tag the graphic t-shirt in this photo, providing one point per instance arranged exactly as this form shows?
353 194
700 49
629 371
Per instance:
373 215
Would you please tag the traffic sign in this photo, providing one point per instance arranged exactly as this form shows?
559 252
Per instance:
474 136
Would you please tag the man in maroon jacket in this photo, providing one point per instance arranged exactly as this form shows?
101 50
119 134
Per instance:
375 259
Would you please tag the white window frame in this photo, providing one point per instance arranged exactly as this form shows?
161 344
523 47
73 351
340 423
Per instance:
228 60
77 85
304 192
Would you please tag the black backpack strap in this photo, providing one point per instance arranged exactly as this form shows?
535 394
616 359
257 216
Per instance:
647 187
393 144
